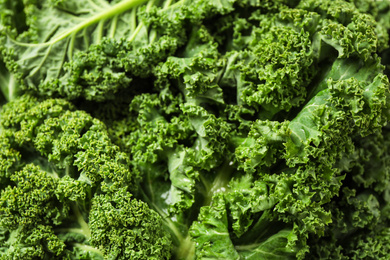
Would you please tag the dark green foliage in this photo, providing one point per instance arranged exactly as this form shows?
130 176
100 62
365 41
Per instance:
125 228
194 129
66 158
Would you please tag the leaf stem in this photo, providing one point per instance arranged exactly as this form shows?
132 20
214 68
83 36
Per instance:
11 87
80 220
88 248
220 182
113 27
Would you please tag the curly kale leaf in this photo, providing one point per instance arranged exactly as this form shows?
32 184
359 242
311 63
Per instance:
72 141
90 49
215 129
34 217
67 163
361 212
123 227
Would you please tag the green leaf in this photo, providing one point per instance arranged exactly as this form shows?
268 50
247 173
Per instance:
55 31
211 233
274 247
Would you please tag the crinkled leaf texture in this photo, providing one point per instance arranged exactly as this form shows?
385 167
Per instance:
204 129
59 177
45 49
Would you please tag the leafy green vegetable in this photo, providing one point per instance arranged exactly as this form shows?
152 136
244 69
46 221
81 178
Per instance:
178 129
